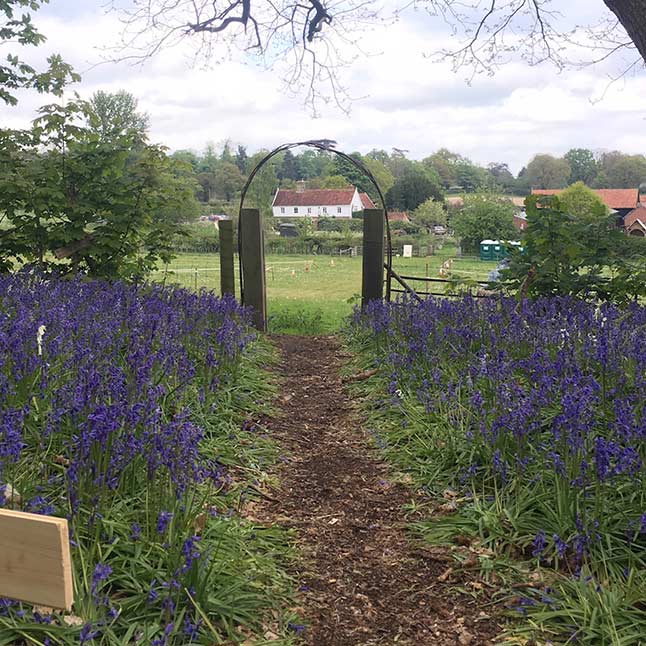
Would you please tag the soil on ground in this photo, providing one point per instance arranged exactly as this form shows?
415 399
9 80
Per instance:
364 579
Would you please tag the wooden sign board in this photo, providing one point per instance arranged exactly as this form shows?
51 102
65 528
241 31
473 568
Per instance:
35 563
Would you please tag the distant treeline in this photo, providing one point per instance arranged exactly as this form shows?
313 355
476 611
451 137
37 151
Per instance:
221 172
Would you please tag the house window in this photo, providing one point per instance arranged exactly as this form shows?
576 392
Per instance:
282 209
309 209
339 209
295 209
325 209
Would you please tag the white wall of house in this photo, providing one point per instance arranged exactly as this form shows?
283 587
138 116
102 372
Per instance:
336 211
356 201
320 211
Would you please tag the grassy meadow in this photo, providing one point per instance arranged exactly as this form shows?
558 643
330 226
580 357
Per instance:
313 294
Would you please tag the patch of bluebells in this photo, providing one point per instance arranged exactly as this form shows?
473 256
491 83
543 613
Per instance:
543 399
98 388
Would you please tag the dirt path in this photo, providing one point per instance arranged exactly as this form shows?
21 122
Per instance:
363 581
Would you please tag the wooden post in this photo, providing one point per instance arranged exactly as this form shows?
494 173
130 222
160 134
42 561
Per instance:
253 266
227 277
372 285
35 563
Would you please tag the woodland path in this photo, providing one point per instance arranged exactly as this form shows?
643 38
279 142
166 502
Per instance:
364 581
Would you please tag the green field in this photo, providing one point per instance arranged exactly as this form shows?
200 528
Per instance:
315 293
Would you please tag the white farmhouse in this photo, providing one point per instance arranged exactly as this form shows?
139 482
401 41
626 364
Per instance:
320 202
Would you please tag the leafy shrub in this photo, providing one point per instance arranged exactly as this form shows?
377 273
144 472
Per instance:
585 256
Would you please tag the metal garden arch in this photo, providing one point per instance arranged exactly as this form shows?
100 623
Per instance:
325 145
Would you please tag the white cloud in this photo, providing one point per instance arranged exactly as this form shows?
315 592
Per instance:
409 102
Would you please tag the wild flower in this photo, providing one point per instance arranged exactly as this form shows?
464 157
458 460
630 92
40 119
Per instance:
526 398
101 572
163 519
108 432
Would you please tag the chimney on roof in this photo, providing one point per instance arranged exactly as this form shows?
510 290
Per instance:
300 186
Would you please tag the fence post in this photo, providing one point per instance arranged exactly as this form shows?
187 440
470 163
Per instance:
227 281
252 249
372 283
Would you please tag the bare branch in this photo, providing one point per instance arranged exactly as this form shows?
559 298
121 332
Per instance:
312 41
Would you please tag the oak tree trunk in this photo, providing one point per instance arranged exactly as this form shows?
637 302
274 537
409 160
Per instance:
632 15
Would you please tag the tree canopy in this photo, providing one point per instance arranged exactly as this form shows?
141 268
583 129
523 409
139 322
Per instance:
546 171
429 213
484 216
416 185
582 202
568 255
114 114
74 201
17 27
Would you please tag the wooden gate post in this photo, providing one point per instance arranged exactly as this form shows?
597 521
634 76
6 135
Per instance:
372 283
252 249
227 281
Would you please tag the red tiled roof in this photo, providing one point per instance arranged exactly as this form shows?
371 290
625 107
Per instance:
613 198
314 197
636 215
398 216
366 201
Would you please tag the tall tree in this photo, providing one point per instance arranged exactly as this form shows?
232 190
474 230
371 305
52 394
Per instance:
241 158
187 156
501 176
226 155
583 165
617 170
308 164
414 186
546 171
444 163
113 114
356 177
471 177
209 159
263 187
382 175
289 167
484 216
228 180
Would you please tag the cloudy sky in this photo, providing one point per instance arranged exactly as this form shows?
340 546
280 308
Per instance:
402 99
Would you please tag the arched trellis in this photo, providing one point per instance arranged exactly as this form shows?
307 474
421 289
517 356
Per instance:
325 145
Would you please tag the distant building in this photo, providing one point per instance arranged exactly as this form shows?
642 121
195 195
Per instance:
320 202
398 216
520 221
619 200
635 221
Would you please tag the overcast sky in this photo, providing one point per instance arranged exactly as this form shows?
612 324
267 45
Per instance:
406 100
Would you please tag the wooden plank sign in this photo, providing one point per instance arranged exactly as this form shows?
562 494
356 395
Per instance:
35 563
